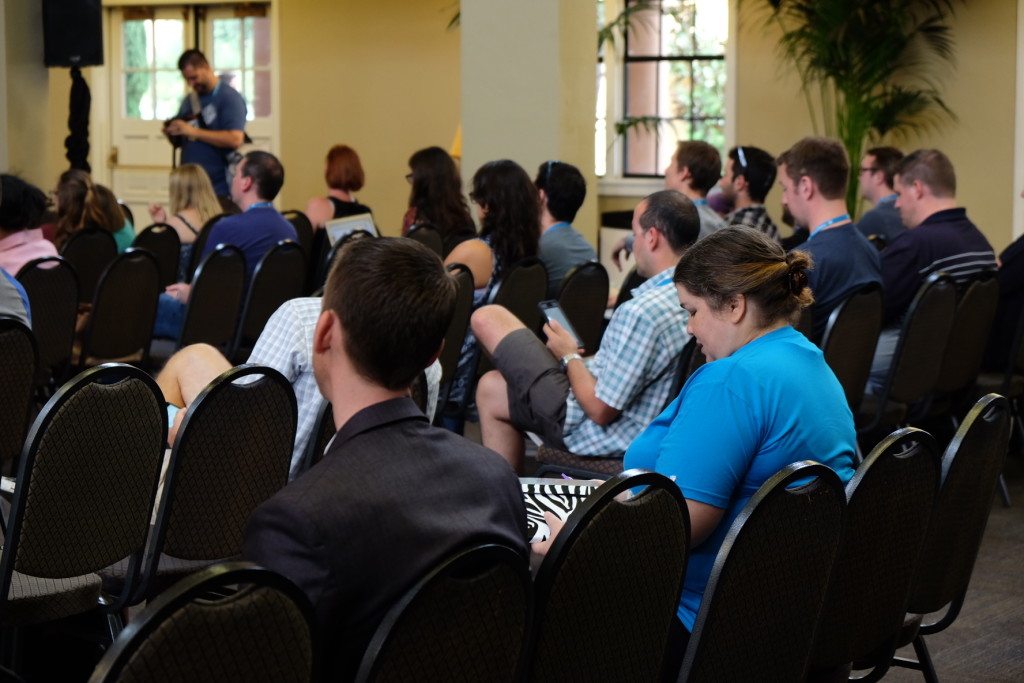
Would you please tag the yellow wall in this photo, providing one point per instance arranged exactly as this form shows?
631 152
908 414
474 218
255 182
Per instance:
381 76
771 111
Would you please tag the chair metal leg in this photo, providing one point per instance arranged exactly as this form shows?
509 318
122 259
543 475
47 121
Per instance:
1004 492
925 658
115 622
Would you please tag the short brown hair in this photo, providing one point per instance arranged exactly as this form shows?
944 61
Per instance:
193 58
735 261
394 300
887 160
674 216
344 171
704 162
822 160
932 168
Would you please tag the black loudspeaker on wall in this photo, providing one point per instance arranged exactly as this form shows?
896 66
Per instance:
72 33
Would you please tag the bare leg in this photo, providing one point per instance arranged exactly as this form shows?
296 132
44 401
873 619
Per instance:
492 323
189 371
496 429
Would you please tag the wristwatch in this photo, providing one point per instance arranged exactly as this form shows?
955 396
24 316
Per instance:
568 358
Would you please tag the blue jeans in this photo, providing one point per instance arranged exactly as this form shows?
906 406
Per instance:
170 317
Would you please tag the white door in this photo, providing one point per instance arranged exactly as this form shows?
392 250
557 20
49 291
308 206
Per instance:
146 88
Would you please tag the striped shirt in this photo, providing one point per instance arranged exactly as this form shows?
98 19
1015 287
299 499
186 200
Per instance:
945 241
634 368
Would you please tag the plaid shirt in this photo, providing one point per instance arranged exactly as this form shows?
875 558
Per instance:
634 368
286 345
755 217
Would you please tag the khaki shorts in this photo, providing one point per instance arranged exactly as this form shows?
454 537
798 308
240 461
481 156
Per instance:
537 387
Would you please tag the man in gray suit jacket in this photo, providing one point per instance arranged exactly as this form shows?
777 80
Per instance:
393 496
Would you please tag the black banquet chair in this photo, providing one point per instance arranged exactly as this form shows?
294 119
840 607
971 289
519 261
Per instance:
769 580
609 586
199 245
303 231
163 242
279 276
455 333
232 452
850 338
121 321
211 315
18 358
520 289
428 236
89 251
85 491
889 505
324 268
584 297
970 469
52 286
465 621
231 622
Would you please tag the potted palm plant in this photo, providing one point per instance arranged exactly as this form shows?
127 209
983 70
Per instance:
868 68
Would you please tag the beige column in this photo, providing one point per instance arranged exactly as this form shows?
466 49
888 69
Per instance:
529 88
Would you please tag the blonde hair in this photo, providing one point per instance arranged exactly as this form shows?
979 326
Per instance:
190 188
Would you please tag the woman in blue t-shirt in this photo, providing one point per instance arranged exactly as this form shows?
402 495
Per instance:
765 399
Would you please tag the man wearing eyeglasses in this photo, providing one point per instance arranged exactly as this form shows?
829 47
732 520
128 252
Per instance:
749 174
877 171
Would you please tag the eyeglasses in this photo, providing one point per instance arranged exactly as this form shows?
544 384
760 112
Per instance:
869 169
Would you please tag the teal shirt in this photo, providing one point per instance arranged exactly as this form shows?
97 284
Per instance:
124 237
738 421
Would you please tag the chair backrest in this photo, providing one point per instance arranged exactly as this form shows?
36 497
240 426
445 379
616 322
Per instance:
303 230
970 469
632 280
89 251
87 478
769 579
889 503
972 322
199 244
584 298
323 430
608 588
449 357
279 276
216 299
922 343
521 288
124 310
163 242
18 359
230 622
127 211
232 452
52 286
690 358
428 236
465 621
850 338
332 253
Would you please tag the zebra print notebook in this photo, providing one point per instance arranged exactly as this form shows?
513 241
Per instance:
559 497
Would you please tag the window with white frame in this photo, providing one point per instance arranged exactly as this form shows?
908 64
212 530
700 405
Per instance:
663 81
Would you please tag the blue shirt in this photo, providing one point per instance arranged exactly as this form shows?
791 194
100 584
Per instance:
255 232
738 421
844 261
222 109
882 220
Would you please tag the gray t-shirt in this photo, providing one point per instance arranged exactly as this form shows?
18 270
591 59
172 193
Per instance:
562 248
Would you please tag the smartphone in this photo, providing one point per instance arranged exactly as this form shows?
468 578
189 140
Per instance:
552 311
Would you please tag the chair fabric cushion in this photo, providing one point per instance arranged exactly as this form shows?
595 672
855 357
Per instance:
555 456
992 382
34 600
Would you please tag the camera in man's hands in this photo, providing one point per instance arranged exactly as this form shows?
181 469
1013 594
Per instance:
179 140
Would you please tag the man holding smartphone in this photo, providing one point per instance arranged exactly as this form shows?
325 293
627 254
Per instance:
597 406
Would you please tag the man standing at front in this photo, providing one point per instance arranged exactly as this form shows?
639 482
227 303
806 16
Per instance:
939 237
813 174
393 496
217 112
595 407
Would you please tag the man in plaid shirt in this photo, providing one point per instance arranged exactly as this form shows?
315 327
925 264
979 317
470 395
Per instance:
595 406
749 174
